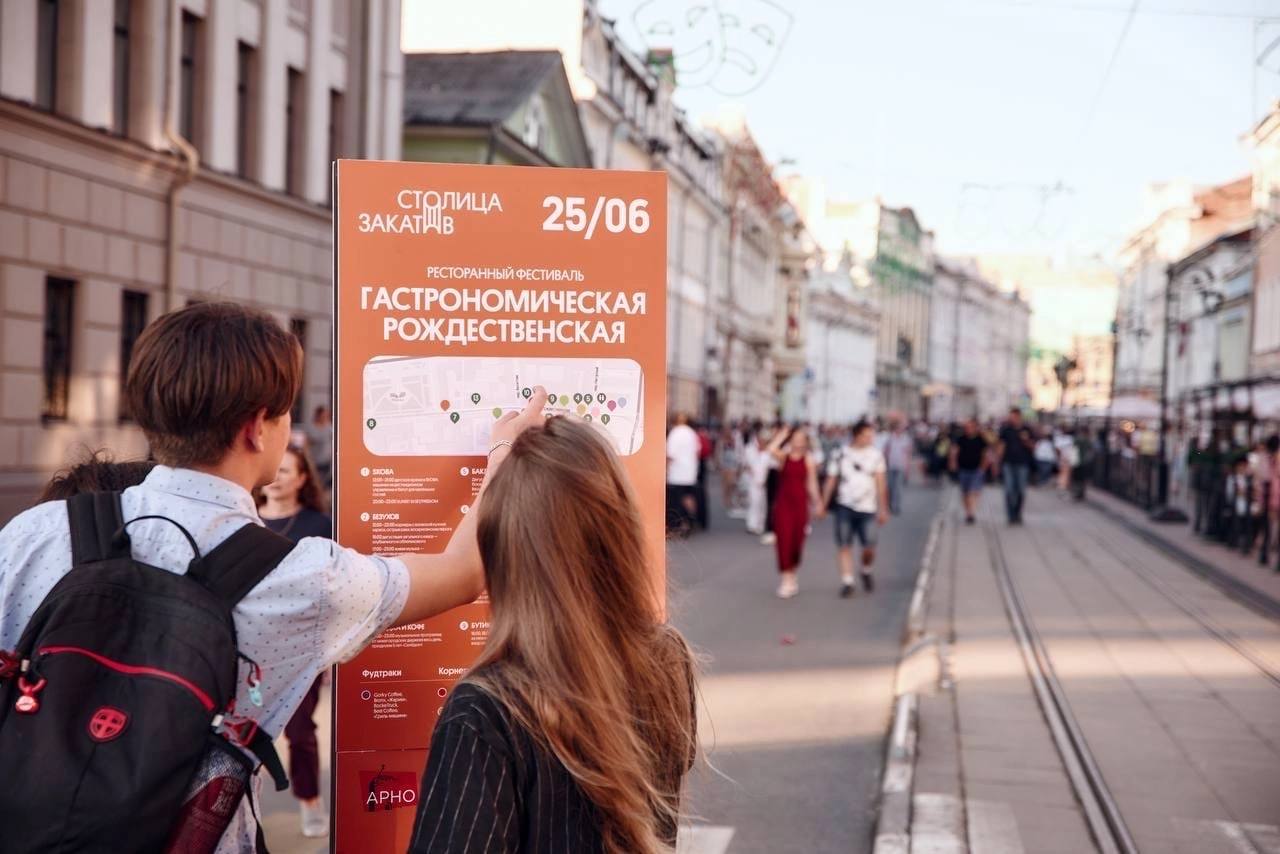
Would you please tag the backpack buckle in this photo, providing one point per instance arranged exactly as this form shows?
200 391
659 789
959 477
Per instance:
29 702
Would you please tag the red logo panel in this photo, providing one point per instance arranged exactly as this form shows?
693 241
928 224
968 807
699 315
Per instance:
107 724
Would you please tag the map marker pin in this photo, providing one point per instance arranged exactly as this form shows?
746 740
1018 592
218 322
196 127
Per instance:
444 405
526 393
600 397
475 398
577 397
497 412
586 418
564 400
604 419
371 423
453 416
611 404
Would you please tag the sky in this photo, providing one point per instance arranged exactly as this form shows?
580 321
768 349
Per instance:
1008 125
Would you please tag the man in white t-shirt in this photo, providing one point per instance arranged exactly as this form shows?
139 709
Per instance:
211 386
856 477
682 473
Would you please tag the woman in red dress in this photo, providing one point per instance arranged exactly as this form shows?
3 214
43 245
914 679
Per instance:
797 489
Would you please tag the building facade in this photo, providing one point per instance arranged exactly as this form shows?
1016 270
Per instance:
630 121
978 347
1088 391
1179 219
158 152
1264 355
840 355
742 355
1210 305
902 274
506 107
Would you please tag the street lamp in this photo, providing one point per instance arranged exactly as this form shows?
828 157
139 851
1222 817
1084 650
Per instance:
1200 279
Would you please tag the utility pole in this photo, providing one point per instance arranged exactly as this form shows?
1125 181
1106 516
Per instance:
1163 512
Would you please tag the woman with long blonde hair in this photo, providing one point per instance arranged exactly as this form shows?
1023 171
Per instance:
574 730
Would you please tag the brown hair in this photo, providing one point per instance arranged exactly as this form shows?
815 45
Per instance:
98 473
199 374
310 495
578 651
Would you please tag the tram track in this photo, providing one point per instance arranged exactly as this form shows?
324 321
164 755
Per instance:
1100 808
1133 563
1101 811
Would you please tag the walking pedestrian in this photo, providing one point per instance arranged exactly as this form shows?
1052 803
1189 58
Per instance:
898 449
575 728
797 492
319 435
1273 504
683 447
1014 455
856 479
769 538
1083 463
730 463
970 460
293 506
758 460
1064 453
706 454
1046 458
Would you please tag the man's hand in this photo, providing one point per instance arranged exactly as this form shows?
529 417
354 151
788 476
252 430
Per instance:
882 518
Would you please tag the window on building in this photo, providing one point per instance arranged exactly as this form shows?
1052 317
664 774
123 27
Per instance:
189 78
120 68
47 54
133 319
245 66
59 298
535 120
293 159
298 326
336 127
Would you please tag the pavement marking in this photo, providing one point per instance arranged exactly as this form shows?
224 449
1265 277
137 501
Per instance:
937 823
1249 838
993 829
703 839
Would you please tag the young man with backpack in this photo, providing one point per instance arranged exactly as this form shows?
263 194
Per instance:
142 633
856 481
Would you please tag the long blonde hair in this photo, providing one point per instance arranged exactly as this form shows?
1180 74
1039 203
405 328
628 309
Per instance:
577 650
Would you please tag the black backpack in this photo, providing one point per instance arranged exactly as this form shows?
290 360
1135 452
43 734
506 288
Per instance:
116 704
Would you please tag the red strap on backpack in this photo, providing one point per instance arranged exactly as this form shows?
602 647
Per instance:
9 664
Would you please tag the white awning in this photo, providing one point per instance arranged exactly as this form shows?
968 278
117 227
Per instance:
1133 407
1266 401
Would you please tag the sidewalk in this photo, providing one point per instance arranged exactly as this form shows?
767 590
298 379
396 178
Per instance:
1243 569
1174 686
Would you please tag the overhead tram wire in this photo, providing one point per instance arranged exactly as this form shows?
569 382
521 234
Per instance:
1120 10
1102 86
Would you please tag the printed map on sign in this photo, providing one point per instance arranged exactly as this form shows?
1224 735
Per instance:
446 406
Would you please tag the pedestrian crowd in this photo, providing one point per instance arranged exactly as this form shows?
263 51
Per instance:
1236 495
778 478
162 622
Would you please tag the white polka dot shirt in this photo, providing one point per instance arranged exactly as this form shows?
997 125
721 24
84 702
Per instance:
321 605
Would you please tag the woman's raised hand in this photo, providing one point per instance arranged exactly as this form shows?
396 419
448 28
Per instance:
512 424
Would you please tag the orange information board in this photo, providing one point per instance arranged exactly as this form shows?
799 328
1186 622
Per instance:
458 289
